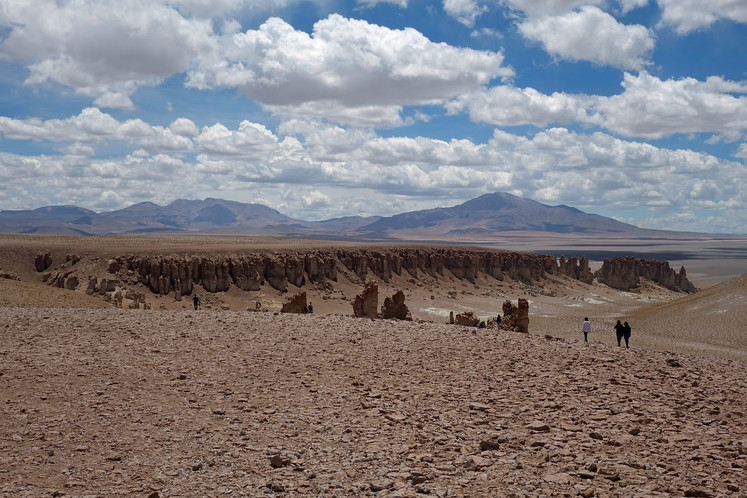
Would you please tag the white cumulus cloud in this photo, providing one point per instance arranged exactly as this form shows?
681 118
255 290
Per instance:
653 108
103 50
349 63
593 35
690 15
465 11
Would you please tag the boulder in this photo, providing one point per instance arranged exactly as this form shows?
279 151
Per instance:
395 307
113 266
468 319
296 304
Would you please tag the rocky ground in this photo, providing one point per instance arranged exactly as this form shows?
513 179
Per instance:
209 403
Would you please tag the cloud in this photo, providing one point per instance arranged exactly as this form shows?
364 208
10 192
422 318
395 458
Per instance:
93 126
348 63
690 15
510 106
464 11
653 108
251 140
365 116
545 8
373 3
648 107
319 162
628 5
103 50
590 34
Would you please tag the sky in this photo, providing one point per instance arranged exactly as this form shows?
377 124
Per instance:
633 109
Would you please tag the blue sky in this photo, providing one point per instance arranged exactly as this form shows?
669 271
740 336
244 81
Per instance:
635 109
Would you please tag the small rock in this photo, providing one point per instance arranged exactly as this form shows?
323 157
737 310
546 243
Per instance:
380 485
489 445
276 486
538 426
480 407
278 461
673 362
698 493
559 478
588 493
477 463
113 456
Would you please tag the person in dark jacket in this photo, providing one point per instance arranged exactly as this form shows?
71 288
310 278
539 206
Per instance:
196 301
626 334
619 331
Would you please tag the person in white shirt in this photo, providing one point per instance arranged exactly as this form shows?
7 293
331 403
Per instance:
586 328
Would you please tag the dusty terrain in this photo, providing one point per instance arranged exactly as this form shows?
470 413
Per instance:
99 401
207 403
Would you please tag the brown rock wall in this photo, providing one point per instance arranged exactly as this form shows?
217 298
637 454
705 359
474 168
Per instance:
625 273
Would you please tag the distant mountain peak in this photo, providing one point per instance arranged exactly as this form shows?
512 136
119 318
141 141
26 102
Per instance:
483 216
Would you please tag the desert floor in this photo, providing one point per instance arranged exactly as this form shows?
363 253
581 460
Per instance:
210 403
98 401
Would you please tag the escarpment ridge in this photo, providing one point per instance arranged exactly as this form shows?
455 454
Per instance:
280 269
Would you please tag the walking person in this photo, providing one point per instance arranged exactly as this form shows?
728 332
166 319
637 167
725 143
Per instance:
619 331
626 334
196 301
586 328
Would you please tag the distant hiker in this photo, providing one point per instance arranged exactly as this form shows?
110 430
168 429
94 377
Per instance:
196 301
311 308
383 311
498 322
626 334
586 328
305 309
619 331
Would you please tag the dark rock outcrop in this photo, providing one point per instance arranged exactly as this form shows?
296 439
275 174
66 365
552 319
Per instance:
395 307
516 318
625 274
43 261
296 304
366 303
577 269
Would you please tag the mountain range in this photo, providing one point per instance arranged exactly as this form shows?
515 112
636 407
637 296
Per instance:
483 216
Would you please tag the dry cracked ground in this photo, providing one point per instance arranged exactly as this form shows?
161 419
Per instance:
181 403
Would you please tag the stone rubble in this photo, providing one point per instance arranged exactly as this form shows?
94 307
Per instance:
180 403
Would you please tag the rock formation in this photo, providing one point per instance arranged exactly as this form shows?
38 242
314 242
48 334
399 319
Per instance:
468 319
43 261
516 318
296 304
366 303
625 273
395 307
287 269
577 269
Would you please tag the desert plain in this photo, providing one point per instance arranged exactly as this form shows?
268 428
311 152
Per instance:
98 400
